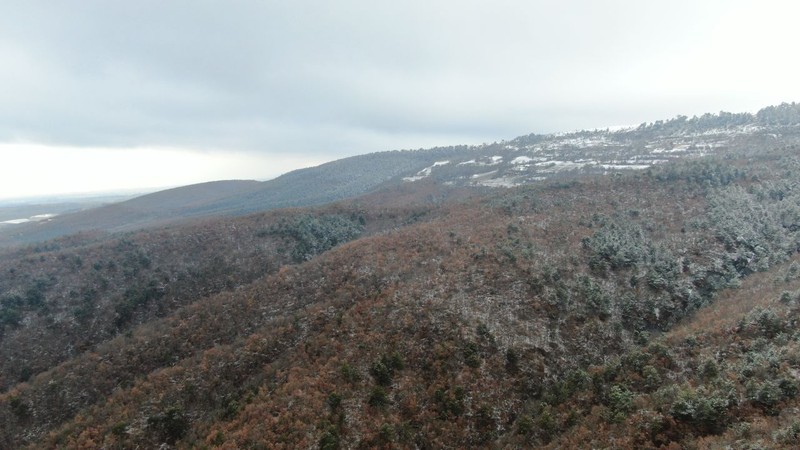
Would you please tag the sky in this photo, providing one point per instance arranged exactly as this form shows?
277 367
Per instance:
102 96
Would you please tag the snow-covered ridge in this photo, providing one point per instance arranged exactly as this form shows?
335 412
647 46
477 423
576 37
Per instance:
532 158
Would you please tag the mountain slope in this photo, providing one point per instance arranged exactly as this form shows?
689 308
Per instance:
524 160
652 309
464 329
726 378
148 210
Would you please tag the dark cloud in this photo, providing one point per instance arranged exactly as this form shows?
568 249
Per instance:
346 77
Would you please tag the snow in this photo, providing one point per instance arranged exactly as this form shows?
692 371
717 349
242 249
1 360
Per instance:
498 182
495 160
36 218
522 160
485 174
679 149
621 128
426 172
625 166
601 150
559 166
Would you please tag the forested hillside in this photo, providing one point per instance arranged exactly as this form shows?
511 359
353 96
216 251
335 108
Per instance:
652 308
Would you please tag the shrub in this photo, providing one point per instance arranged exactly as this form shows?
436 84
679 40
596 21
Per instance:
652 379
119 428
620 402
764 322
384 369
788 435
171 424
386 434
381 373
10 316
316 234
546 423
19 408
705 411
378 397
793 272
349 373
334 401
472 355
766 395
485 423
615 246
450 404
788 388
329 440
512 360
524 425
709 370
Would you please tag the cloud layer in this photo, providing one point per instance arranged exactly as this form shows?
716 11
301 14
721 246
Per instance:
322 79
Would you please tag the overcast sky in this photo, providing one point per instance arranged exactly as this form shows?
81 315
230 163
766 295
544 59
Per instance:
98 95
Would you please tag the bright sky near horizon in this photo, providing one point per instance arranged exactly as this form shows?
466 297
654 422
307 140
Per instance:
98 96
111 170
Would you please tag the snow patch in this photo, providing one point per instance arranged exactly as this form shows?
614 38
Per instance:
522 160
506 182
426 172
36 218
559 166
625 166
16 221
680 149
485 174
493 161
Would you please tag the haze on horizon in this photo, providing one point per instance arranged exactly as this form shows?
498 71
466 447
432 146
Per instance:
100 96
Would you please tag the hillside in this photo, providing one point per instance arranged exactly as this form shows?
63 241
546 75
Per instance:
524 160
656 308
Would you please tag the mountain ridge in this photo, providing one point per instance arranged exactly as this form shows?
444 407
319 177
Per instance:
525 159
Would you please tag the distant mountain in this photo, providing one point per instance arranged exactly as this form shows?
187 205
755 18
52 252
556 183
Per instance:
18 210
524 160
147 210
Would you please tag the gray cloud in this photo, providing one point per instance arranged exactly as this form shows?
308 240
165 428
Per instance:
346 77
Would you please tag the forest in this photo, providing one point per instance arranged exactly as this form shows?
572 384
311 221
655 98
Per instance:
647 309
